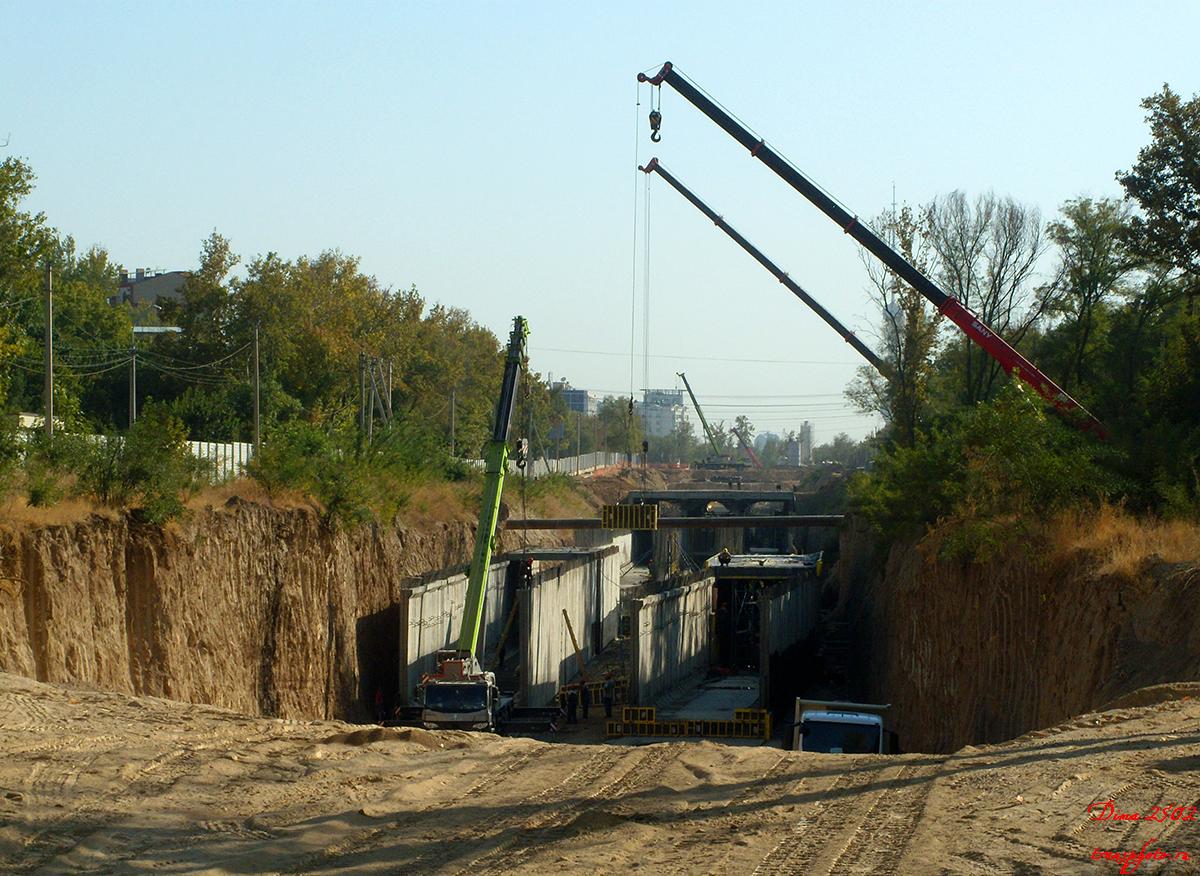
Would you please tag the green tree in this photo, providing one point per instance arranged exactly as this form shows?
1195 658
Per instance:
1165 185
988 474
620 426
1093 264
27 244
844 450
908 335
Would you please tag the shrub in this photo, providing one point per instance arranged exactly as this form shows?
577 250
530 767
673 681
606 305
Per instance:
985 476
150 463
349 480
51 466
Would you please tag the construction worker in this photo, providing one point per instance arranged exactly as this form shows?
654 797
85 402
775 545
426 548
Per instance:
585 699
724 556
607 692
572 705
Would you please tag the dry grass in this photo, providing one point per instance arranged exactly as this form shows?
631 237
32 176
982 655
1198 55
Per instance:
430 502
1122 543
15 510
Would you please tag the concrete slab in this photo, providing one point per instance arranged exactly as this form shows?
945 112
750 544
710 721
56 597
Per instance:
714 699
765 565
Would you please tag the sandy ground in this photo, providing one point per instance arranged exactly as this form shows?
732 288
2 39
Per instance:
94 782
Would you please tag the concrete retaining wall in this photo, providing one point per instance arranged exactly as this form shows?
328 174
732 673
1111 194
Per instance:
594 538
431 617
670 638
585 582
788 615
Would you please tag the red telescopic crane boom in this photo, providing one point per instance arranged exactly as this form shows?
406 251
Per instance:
953 309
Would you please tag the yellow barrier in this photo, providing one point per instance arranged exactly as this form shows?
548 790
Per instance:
595 692
629 517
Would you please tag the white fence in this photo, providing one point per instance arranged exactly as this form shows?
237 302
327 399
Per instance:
229 460
568 465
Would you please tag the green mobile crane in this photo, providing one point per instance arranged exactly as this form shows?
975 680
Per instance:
719 459
460 694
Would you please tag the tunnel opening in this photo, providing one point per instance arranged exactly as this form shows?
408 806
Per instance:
736 641
767 539
378 651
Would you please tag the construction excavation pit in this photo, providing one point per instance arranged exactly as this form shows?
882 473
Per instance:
734 718
965 641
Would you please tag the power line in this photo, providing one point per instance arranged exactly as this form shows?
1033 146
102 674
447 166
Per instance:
192 367
678 358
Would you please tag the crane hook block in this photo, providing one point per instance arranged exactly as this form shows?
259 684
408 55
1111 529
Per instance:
655 124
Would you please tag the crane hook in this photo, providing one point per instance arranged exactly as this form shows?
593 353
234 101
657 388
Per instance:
655 124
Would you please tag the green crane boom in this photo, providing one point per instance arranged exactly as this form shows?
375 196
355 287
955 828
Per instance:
495 467
703 422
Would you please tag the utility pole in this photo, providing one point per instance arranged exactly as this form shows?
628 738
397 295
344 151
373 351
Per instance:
133 381
389 390
371 401
362 394
257 421
578 439
48 389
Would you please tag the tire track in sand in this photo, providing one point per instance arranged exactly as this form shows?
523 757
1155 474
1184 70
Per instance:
887 826
364 841
836 813
541 830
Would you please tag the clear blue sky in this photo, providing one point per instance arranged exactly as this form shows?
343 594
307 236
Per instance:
485 152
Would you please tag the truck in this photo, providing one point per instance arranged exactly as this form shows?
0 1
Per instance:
831 727
460 694
461 697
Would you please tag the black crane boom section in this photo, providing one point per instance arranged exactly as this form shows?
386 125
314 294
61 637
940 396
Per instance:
653 166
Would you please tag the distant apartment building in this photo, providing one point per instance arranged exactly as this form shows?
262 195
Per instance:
662 411
579 400
146 287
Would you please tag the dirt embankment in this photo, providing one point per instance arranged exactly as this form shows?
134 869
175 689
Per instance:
244 606
972 653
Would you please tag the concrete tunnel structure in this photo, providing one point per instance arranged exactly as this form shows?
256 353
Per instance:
687 622
537 657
